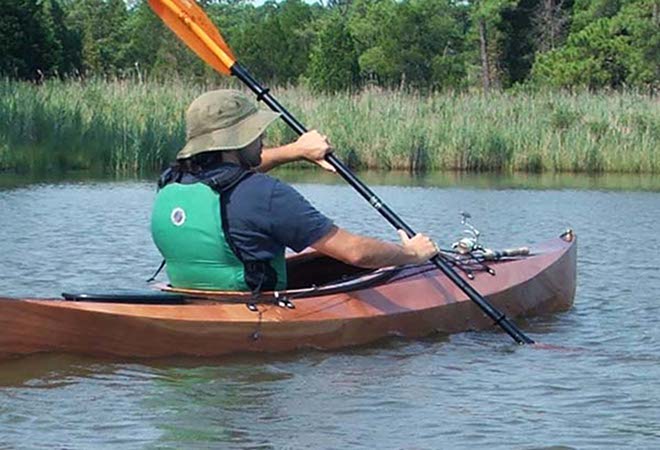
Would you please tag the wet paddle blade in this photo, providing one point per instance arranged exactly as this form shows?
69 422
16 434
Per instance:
189 22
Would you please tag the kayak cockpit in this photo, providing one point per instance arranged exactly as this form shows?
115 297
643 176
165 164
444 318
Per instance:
312 268
309 273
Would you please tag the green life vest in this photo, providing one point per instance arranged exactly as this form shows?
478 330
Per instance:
189 228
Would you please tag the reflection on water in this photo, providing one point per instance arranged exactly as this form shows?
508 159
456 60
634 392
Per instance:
471 390
618 182
609 181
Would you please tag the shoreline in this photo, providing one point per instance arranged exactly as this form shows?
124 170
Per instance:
616 182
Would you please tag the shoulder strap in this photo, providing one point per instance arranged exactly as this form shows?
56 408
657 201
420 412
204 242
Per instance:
170 175
223 180
227 179
258 275
160 268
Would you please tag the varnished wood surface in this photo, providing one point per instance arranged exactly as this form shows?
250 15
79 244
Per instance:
423 303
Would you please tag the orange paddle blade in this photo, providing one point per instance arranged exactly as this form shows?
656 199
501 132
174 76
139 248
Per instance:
193 26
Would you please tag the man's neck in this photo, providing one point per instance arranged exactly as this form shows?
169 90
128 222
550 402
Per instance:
231 156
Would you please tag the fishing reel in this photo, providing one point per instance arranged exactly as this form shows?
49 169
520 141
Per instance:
469 243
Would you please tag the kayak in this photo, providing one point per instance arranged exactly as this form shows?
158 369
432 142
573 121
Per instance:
329 305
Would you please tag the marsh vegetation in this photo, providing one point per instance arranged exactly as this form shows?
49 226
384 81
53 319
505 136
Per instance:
128 127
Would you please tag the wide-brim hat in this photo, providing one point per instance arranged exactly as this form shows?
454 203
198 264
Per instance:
223 120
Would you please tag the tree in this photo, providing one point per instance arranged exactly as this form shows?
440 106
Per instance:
101 25
151 48
275 40
25 43
333 62
585 12
414 42
620 47
370 23
550 20
486 17
142 53
641 21
63 55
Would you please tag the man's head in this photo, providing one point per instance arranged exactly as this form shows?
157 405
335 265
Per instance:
225 120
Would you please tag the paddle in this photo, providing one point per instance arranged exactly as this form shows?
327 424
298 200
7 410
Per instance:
192 26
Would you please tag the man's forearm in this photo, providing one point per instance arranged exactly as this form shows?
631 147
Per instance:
311 146
363 251
373 253
273 157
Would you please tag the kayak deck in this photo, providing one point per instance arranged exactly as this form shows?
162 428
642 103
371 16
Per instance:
413 302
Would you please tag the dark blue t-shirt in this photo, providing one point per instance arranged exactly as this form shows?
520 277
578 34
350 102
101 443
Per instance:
264 215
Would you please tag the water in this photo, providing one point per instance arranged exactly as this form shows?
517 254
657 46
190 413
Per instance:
471 390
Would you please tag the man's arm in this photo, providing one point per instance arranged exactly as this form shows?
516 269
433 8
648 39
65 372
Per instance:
311 146
295 223
367 252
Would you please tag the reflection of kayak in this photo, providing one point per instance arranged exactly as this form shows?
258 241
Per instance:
363 306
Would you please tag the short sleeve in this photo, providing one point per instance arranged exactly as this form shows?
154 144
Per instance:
295 223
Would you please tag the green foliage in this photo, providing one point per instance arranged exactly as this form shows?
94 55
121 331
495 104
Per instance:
487 151
620 46
588 11
28 38
64 53
521 32
333 62
275 40
641 21
142 23
101 25
425 45
562 118
108 127
124 127
490 10
416 42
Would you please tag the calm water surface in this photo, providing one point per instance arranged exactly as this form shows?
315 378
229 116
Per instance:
471 390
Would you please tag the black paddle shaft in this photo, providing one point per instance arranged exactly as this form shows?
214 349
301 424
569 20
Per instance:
497 316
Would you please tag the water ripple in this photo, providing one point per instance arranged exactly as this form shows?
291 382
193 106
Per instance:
591 385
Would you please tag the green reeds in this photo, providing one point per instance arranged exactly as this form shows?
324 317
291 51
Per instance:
531 132
126 127
109 127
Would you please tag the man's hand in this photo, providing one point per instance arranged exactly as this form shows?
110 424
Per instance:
420 247
313 146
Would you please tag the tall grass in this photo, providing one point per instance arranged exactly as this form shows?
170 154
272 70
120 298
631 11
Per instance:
112 127
540 132
128 127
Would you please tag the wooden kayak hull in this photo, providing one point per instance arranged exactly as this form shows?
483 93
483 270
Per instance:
411 304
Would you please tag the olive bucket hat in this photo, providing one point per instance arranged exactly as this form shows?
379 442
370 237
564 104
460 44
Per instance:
223 120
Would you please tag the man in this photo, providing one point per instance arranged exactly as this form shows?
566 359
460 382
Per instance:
222 225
